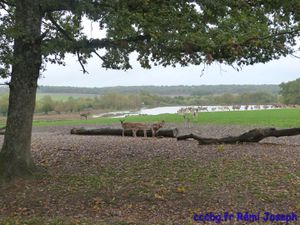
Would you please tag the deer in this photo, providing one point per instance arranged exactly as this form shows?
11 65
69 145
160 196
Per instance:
156 126
141 126
134 127
185 113
236 107
84 115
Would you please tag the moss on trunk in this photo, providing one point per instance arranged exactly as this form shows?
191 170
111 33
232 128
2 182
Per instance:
15 155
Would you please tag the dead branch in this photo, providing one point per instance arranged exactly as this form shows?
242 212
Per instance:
254 135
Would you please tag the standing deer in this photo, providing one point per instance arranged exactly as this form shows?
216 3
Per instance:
185 113
134 127
156 126
84 115
141 126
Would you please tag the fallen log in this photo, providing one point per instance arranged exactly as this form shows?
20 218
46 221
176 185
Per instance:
171 132
254 135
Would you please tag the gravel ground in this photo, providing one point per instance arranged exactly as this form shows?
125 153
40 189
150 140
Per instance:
212 131
57 141
270 163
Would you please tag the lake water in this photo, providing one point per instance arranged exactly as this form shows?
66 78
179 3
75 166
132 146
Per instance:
174 109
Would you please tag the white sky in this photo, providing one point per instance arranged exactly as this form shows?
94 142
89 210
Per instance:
275 72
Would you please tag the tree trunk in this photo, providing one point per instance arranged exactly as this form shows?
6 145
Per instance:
15 155
254 135
118 132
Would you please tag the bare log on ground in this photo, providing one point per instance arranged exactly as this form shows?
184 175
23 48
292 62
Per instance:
172 132
254 135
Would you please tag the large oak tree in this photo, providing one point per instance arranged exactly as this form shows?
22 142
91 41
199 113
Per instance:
174 32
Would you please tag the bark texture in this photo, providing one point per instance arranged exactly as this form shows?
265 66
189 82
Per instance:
254 135
118 132
15 155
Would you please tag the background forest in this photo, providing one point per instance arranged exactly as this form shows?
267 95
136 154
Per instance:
75 99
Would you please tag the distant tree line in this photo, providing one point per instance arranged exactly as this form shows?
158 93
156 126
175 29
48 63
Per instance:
119 101
180 90
290 92
194 95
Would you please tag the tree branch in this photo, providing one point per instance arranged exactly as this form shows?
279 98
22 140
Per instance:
81 63
297 30
67 35
59 5
93 44
246 42
99 56
5 84
7 3
69 5
105 42
59 28
297 57
44 34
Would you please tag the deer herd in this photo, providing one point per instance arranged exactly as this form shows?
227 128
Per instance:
154 127
134 127
188 114
197 109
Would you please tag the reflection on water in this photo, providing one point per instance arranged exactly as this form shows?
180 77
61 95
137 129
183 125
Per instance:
174 109
161 110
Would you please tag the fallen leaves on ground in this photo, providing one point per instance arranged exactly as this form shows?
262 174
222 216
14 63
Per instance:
114 180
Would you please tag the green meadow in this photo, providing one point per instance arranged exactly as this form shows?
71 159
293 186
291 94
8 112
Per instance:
271 118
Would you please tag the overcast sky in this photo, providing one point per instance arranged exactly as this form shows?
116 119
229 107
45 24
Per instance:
275 72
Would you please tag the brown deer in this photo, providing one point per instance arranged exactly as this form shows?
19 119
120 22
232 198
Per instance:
156 126
84 115
134 127
141 126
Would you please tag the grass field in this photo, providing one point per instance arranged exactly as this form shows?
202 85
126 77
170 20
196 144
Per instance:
270 118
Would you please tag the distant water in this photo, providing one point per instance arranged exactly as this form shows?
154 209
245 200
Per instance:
172 110
161 110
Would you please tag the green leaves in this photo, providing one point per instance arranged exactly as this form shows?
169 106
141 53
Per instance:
291 92
178 32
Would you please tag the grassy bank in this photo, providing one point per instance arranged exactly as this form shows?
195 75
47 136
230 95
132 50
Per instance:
273 118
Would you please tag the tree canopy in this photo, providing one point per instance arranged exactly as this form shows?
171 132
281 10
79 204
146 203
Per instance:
162 32
290 92
169 33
